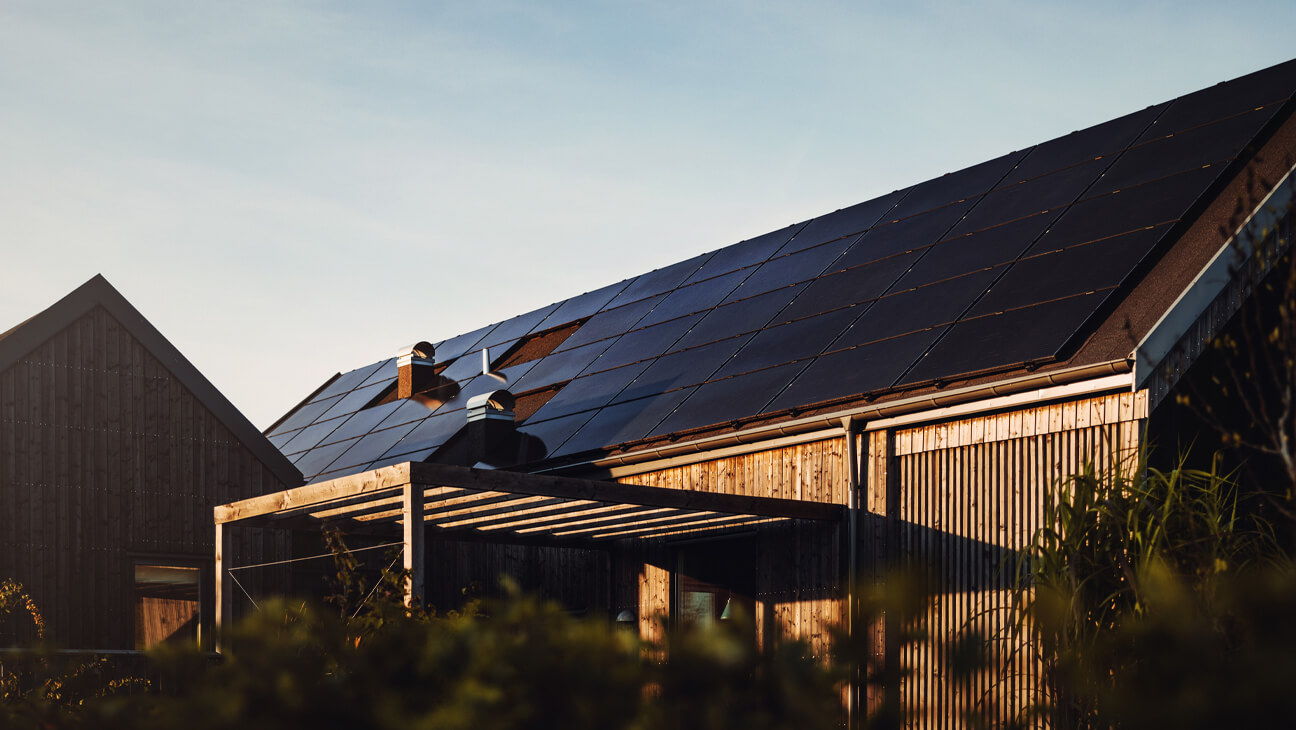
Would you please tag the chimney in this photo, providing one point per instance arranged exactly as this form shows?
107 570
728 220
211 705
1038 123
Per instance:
416 369
492 432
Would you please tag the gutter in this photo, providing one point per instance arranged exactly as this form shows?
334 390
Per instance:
1109 375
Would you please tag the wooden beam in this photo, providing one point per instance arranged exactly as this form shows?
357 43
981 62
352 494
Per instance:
545 485
320 493
224 604
412 527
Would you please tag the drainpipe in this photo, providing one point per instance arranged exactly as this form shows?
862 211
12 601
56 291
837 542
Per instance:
852 548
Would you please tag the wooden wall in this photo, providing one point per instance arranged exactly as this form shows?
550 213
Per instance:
800 576
105 456
957 500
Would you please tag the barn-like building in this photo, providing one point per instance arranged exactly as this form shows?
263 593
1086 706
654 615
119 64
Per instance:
770 423
114 449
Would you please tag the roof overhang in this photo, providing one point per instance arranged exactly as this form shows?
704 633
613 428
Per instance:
503 506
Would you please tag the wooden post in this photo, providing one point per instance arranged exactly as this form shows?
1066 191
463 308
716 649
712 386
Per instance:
412 514
224 604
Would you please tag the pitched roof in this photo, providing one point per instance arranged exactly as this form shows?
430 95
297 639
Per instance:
1014 264
97 292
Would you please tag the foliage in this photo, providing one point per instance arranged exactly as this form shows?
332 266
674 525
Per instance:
1156 591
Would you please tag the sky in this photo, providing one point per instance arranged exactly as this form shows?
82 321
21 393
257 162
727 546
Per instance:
292 189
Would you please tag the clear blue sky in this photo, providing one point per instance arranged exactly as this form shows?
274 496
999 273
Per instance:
290 189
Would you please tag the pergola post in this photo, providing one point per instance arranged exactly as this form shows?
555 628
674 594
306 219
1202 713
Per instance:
412 521
224 604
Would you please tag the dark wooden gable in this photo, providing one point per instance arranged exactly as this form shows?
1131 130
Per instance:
108 456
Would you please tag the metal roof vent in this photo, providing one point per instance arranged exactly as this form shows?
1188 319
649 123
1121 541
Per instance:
496 405
415 369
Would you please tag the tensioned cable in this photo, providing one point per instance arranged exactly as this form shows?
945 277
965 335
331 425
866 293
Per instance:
375 585
241 588
313 557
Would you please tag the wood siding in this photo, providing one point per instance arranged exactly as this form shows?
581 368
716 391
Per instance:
800 571
958 500
105 456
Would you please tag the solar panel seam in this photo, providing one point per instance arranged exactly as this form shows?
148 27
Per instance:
1079 197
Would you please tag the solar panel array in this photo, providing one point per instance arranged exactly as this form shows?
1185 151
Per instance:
998 265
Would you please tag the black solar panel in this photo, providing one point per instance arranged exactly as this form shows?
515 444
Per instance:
747 315
844 222
311 436
682 368
846 288
610 323
1083 268
553 432
917 309
511 329
1241 94
723 400
795 340
371 447
430 433
582 306
643 344
559 366
744 254
312 463
906 235
1019 336
458 346
1020 200
659 281
1084 146
697 297
626 421
787 270
955 186
589 391
855 371
981 250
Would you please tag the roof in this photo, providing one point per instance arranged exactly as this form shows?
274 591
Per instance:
97 292
1039 258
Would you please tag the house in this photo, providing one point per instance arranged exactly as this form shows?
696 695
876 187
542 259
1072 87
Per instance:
767 423
113 451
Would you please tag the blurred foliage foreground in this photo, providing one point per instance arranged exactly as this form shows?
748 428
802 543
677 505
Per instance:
1156 601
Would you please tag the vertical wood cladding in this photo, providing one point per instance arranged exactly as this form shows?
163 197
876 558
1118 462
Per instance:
800 580
963 498
106 456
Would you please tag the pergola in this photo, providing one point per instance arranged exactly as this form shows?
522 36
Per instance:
455 502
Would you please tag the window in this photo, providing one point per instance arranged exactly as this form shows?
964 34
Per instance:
714 581
168 603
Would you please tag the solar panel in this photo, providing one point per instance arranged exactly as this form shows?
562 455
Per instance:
622 422
643 344
457 346
347 382
791 269
384 373
981 250
1011 338
916 309
1084 146
1046 193
370 448
311 436
855 219
747 315
407 411
610 323
659 281
846 288
589 391
955 186
744 254
721 401
792 341
1115 213
1083 268
430 433
559 366
553 432
852 372
906 235
694 298
682 368
582 306
315 461
511 329
1241 94
1214 143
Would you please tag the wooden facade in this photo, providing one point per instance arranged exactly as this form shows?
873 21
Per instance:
959 500
109 460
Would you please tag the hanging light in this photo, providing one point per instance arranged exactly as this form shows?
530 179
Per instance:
725 615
